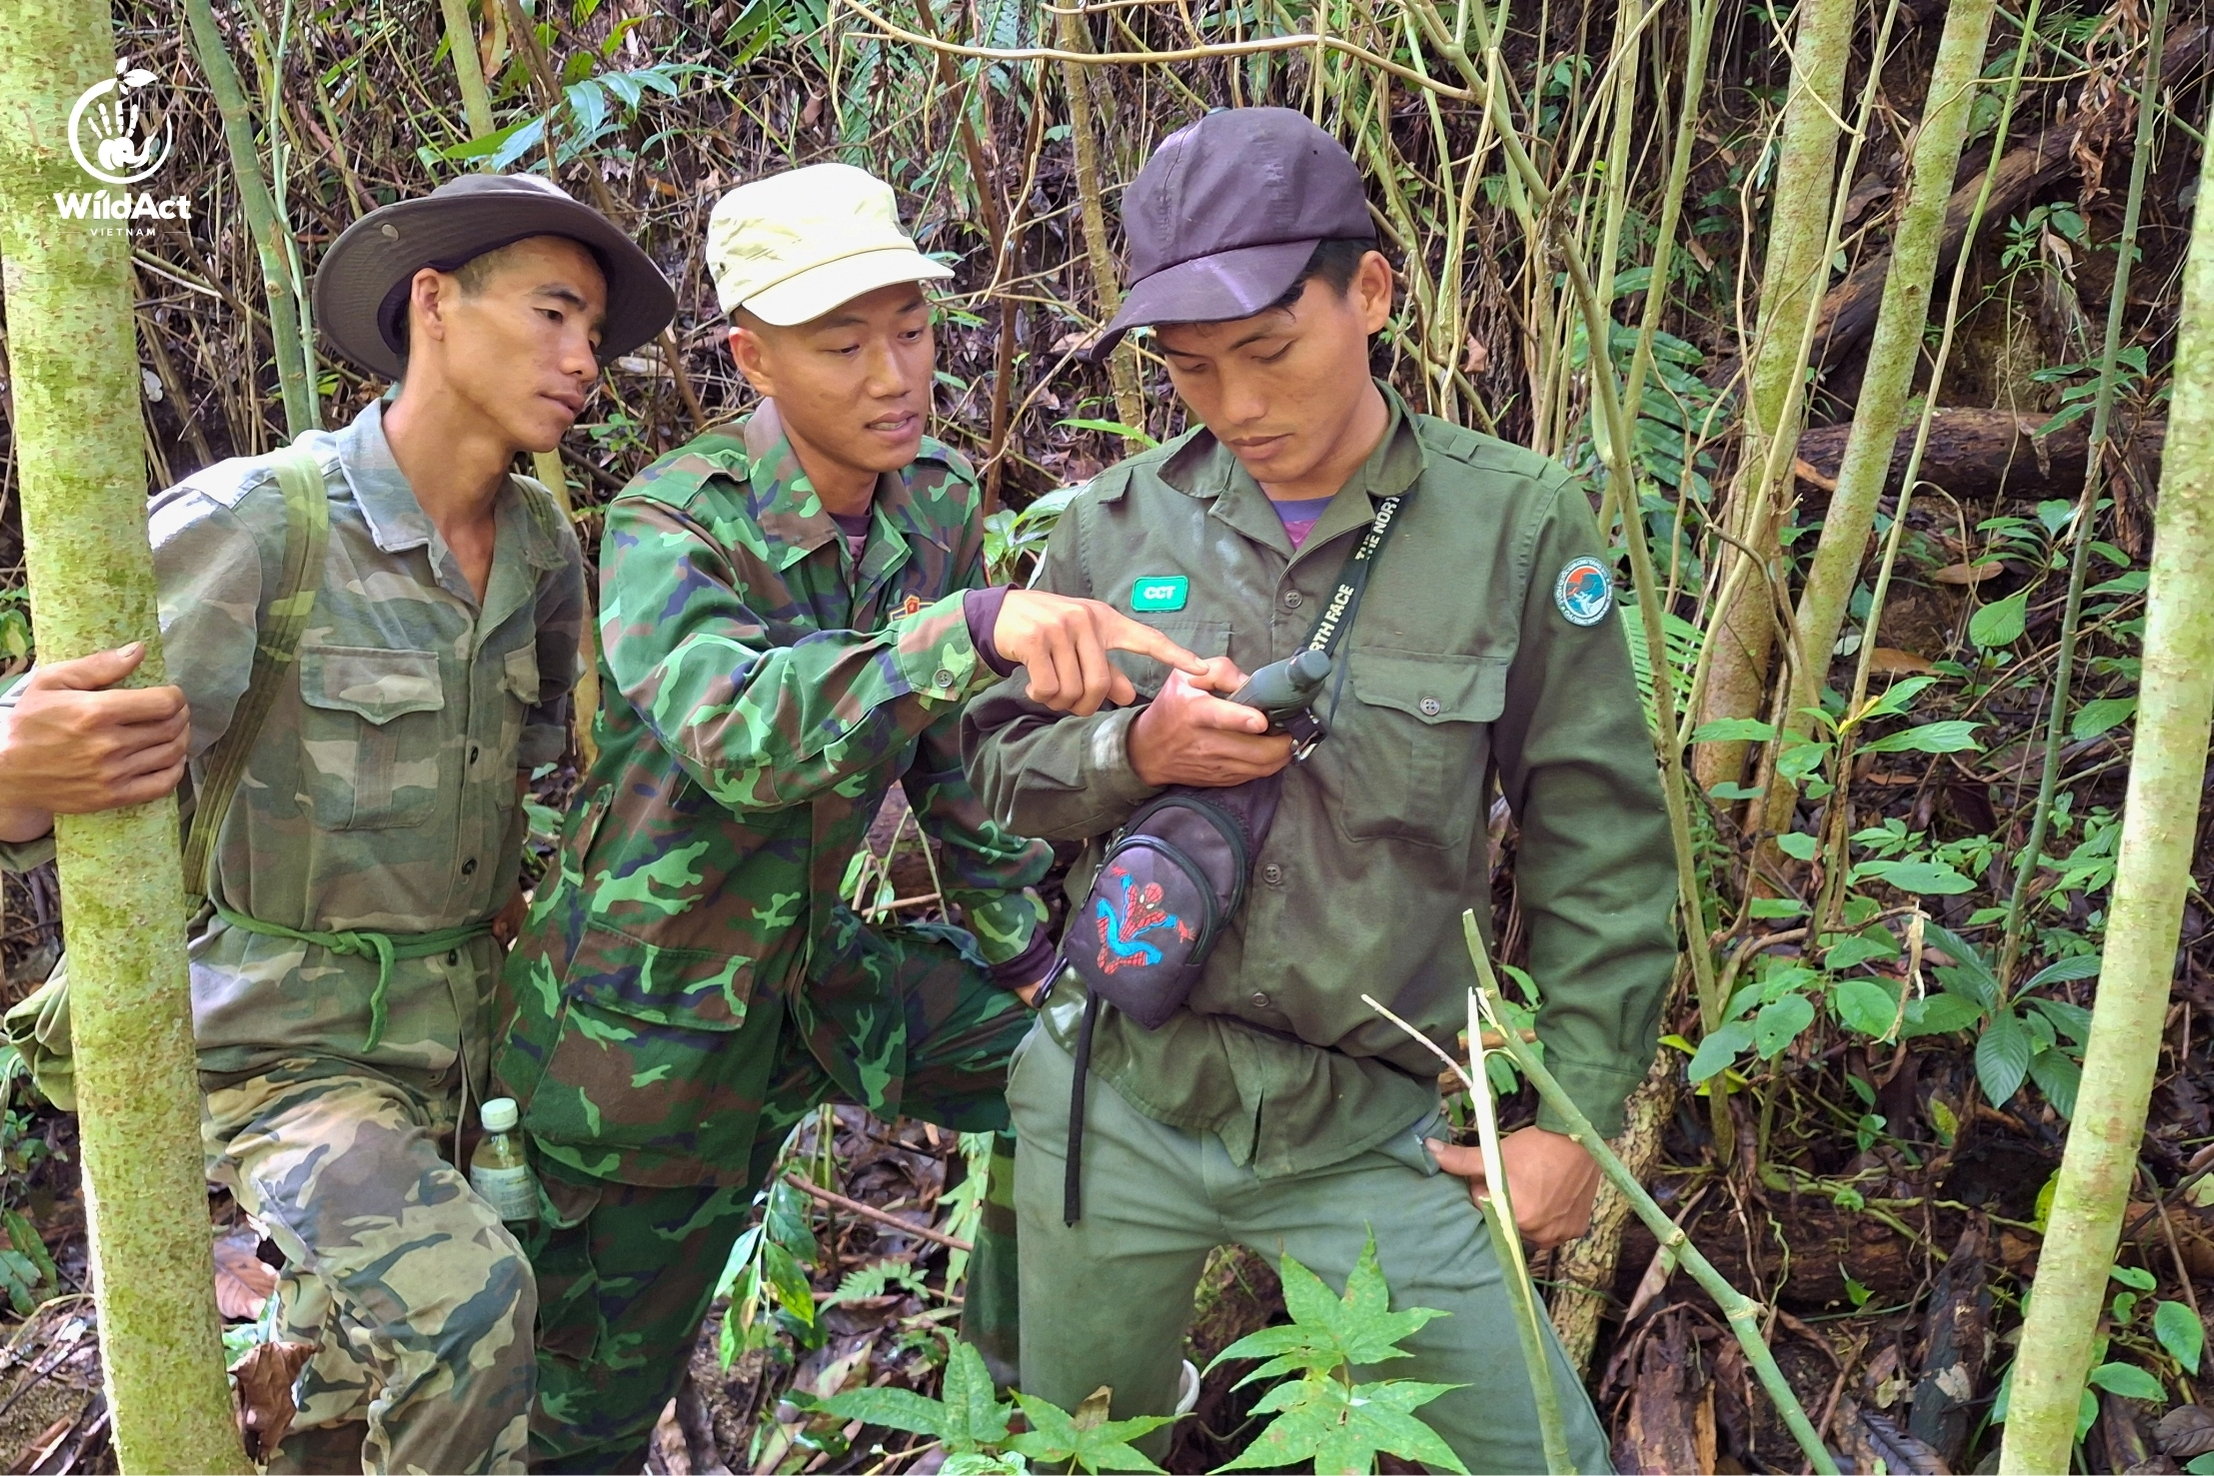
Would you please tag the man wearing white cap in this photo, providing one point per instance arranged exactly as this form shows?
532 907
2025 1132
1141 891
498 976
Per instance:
793 614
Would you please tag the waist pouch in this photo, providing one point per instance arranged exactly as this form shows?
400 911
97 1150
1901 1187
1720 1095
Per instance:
1172 879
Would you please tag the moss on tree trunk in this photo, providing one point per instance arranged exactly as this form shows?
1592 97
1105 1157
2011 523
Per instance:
74 367
2152 869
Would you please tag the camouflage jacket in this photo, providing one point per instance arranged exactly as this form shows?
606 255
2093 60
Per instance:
760 696
381 792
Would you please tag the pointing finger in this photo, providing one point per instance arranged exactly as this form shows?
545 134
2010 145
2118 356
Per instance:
1124 634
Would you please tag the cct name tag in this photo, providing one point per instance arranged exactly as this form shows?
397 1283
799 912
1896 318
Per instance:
1160 592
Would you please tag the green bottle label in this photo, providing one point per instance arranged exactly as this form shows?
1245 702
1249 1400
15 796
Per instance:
1160 592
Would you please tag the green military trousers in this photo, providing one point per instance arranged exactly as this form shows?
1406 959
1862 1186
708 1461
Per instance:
1157 1200
626 1272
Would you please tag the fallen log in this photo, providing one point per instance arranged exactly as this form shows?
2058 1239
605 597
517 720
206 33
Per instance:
1978 453
1849 311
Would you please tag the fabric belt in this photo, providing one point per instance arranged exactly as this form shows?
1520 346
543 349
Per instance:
385 948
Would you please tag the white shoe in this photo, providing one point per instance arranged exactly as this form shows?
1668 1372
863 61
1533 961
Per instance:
1187 1390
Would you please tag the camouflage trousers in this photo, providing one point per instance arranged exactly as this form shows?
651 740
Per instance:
419 1301
626 1272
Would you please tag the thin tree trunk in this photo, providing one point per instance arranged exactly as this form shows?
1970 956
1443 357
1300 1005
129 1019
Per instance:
74 366
1122 365
1742 630
273 244
2152 870
1583 1273
1892 356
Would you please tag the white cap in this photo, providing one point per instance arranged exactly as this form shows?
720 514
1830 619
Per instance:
499 1115
791 247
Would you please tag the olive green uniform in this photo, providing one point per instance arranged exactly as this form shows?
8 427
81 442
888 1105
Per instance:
1277 1109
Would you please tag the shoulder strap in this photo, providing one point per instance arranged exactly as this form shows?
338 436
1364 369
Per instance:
307 525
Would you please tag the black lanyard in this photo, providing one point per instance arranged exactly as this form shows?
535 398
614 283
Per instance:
1345 601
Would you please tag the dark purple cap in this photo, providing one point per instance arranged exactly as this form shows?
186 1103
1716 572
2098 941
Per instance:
1226 213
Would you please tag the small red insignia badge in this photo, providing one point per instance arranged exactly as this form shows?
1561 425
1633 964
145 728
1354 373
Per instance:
912 606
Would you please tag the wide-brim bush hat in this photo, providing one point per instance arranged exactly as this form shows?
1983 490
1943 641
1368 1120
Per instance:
361 289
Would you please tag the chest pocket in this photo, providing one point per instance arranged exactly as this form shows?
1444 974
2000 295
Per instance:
370 741
519 681
1409 749
1200 637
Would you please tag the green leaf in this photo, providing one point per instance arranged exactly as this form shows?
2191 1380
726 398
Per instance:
977 1463
1718 1050
1965 958
2100 714
967 1390
1897 696
2129 1381
1779 1024
1940 1014
1112 428
789 1283
1865 1006
1733 730
1798 847
1851 949
2201 1465
895 1409
2001 622
1729 790
1055 1438
1945 737
2181 1333
2058 1078
1772 907
2131 1276
1328 1331
1341 1430
2067 971
1930 878
2002 1057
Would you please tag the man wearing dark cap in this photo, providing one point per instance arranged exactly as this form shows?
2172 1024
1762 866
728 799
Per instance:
1275 1109
342 980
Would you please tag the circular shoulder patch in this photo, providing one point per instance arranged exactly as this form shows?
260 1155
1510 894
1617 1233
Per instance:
1585 591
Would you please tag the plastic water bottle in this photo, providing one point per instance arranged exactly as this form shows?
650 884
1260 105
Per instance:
497 1170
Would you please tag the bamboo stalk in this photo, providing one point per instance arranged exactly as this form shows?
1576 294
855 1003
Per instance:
1739 637
73 365
1893 354
2152 871
2079 564
1498 1206
273 246
1122 365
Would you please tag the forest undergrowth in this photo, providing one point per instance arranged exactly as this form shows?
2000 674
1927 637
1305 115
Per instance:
1900 769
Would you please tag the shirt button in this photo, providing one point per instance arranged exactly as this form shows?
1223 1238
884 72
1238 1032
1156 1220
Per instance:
469 867
1431 707
1260 1000
1273 874
472 753
453 959
1293 599
944 678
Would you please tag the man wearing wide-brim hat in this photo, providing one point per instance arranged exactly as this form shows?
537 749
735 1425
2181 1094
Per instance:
792 613
342 981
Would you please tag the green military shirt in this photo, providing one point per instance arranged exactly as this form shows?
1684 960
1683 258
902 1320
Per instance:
381 793
761 693
1482 645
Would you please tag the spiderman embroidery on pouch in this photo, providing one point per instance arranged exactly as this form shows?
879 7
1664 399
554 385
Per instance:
1122 943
